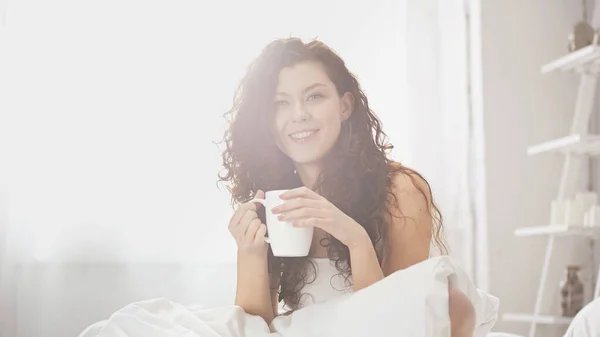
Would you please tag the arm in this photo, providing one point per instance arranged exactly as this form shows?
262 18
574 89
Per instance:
253 291
408 243
410 227
365 266
408 237
305 208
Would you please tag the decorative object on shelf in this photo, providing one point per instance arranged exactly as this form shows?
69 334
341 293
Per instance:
576 212
582 36
592 217
571 292
558 212
583 33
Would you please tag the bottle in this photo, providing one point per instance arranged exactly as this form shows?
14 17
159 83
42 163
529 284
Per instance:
582 36
571 291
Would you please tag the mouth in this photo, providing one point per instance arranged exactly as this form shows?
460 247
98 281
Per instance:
303 136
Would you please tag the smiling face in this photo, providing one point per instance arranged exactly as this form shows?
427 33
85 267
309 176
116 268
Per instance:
309 112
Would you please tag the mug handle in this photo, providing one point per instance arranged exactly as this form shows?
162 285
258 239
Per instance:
264 203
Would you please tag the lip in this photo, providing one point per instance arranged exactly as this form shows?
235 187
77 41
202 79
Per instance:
303 130
310 133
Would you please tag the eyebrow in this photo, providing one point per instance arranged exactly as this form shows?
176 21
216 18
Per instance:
310 87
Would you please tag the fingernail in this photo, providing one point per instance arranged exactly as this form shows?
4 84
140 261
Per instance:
275 210
281 217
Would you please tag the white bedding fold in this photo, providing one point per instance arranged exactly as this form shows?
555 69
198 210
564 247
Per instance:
411 302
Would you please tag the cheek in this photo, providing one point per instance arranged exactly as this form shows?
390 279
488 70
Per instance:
333 119
335 128
277 130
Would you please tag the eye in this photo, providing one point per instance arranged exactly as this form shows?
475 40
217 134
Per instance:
315 96
281 103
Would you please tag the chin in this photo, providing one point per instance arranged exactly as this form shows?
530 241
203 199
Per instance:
305 160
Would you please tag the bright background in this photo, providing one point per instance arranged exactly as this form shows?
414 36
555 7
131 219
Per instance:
108 116
115 105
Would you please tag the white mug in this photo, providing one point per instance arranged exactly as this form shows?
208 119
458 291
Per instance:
285 240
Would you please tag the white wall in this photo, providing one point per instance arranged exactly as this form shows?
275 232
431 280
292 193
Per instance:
58 300
522 107
438 115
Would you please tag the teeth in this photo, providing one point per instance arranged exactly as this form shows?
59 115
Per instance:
300 135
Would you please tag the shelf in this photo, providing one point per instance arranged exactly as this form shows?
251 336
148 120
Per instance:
558 230
574 144
586 59
539 319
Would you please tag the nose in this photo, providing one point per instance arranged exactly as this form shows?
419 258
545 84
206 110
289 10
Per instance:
300 113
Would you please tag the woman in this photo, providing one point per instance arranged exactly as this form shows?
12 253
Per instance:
301 122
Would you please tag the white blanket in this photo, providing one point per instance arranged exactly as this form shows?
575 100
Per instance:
411 302
587 322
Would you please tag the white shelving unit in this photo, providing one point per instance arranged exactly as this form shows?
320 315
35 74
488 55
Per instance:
579 144
559 230
574 144
538 319
584 60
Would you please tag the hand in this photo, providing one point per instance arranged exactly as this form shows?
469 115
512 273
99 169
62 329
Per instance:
247 229
305 208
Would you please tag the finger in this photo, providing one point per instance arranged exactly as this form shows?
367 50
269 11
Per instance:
240 231
323 224
260 194
241 227
295 204
308 222
237 217
252 229
300 192
240 212
302 213
260 234
247 218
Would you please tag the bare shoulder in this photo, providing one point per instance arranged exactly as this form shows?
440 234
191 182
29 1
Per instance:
408 186
410 226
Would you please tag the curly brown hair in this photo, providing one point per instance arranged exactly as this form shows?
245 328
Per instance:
356 177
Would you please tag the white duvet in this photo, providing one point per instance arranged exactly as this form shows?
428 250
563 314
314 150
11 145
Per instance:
412 302
587 322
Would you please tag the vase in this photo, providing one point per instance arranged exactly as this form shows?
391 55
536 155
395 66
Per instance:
571 292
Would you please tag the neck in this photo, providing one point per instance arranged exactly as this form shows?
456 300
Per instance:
308 173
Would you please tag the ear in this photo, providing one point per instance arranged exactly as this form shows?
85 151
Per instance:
347 103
